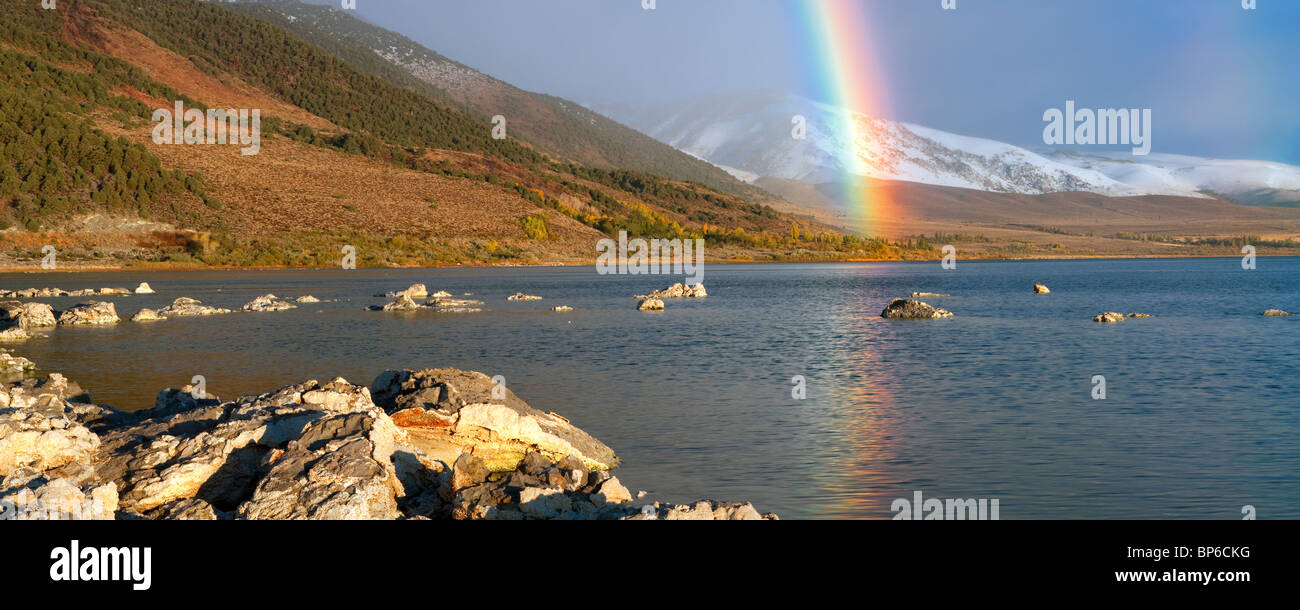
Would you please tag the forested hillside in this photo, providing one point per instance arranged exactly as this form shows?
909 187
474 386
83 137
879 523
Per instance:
347 157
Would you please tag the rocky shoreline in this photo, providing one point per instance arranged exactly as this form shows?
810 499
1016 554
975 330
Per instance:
429 444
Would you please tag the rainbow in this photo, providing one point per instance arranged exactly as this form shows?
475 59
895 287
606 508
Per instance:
842 73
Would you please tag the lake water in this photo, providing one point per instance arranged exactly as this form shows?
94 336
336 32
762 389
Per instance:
1200 416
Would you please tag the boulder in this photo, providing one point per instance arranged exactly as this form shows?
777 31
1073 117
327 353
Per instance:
403 303
1041 289
267 302
448 412
185 306
92 313
909 309
16 334
27 315
650 305
416 291
143 288
59 499
1109 317
678 291
15 365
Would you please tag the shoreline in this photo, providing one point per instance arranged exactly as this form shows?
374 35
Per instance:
570 264
434 444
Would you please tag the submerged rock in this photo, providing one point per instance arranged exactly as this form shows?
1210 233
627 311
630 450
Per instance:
651 305
519 296
16 334
147 315
268 302
909 309
451 305
185 306
93 313
143 288
1041 289
1276 313
1109 317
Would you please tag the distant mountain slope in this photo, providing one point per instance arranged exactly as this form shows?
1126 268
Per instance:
347 157
559 127
751 135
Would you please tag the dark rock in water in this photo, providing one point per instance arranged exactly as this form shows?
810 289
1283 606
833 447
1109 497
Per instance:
913 310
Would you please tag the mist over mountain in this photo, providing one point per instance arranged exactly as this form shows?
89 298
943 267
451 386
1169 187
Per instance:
554 125
751 135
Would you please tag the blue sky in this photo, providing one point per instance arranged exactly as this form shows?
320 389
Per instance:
1221 81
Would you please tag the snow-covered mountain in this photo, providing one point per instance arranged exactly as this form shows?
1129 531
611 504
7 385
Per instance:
751 136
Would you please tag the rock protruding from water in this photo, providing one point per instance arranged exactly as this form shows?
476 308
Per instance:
678 291
540 488
650 305
519 296
147 315
416 291
561 308
1139 315
26 315
456 411
1041 289
306 298
15 334
185 306
1109 317
1276 313
14 365
268 302
143 288
92 313
312 451
909 309
402 303
930 295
